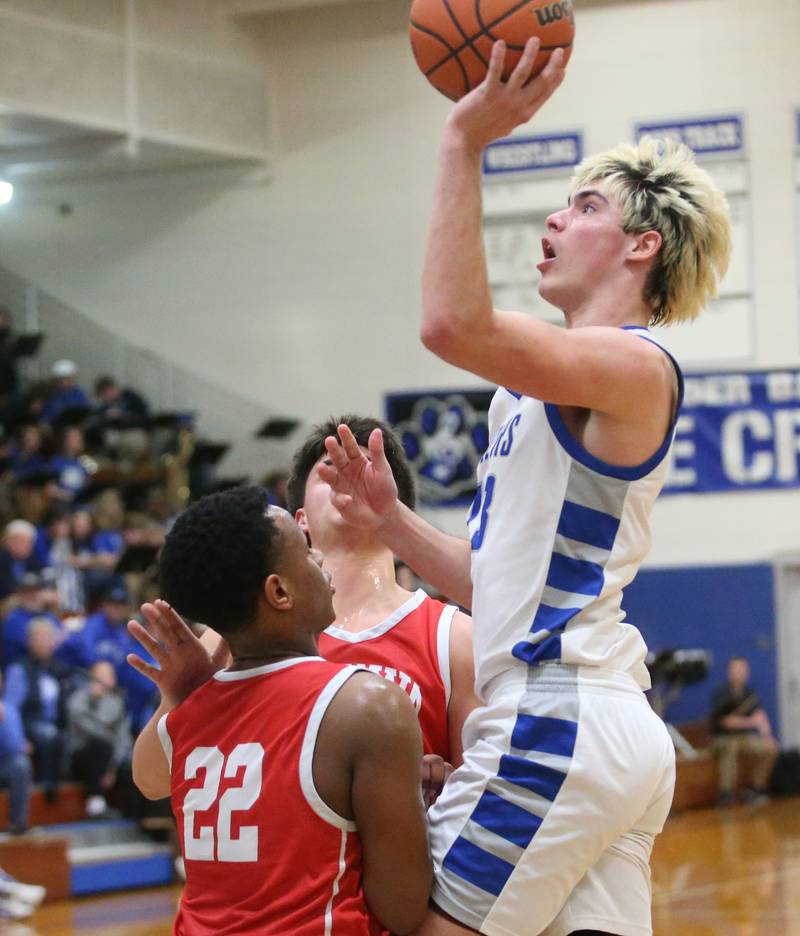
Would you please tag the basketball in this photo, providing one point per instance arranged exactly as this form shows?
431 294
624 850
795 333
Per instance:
452 39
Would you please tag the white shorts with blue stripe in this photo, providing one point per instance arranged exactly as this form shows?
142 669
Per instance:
548 825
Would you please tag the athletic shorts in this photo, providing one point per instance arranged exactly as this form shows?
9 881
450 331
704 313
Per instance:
548 825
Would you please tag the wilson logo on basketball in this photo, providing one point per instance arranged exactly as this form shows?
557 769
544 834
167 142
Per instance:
554 12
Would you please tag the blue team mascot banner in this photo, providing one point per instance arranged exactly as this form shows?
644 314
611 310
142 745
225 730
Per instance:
738 431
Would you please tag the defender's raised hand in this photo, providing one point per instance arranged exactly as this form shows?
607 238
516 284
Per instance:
363 488
184 660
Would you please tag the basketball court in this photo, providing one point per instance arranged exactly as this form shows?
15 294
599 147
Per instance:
733 871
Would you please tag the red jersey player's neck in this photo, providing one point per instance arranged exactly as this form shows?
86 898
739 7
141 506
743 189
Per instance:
366 587
244 662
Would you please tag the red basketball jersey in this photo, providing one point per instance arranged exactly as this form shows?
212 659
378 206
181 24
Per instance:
263 853
412 649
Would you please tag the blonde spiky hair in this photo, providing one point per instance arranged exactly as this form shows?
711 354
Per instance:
660 187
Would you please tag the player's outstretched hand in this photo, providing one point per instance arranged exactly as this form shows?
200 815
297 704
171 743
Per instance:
184 662
363 489
435 771
496 107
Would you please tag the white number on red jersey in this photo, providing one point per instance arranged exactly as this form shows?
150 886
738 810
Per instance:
201 847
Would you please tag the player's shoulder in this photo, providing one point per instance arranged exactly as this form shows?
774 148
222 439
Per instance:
368 706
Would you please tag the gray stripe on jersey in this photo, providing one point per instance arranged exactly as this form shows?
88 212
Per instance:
519 796
557 598
590 489
490 842
575 549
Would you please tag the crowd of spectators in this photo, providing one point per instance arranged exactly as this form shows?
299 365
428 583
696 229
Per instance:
89 485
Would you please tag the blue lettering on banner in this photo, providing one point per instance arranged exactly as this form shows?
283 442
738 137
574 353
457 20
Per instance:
533 154
706 136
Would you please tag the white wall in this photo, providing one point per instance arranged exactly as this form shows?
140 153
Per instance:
304 292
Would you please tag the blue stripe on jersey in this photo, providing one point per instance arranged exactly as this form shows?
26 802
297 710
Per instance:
505 819
575 575
548 735
513 393
587 525
552 619
545 781
534 653
479 867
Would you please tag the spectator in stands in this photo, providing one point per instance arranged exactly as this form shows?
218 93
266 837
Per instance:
90 556
34 687
27 457
99 738
18 900
741 726
16 770
70 465
17 555
65 392
59 557
105 636
109 519
32 598
115 402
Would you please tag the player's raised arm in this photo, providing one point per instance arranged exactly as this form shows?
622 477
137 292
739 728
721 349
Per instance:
364 492
372 731
576 367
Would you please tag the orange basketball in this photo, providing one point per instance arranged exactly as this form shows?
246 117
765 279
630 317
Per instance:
452 39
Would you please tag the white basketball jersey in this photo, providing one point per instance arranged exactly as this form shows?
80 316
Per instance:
556 535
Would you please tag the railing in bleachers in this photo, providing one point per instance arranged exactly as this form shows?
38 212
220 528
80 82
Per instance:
220 413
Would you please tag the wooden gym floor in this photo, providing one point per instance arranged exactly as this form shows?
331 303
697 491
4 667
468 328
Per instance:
733 872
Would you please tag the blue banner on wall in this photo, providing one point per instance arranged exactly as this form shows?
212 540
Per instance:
707 136
532 154
737 431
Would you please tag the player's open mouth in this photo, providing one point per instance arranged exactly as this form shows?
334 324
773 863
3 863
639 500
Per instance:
549 254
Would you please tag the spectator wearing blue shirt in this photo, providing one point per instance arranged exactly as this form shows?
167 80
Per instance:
71 464
105 636
16 770
65 392
17 555
32 597
27 459
34 688
93 557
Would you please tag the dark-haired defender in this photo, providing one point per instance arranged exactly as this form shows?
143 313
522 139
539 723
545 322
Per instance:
294 781
567 777
415 641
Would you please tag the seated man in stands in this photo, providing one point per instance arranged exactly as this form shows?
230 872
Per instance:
117 402
741 726
65 392
17 555
99 739
31 594
104 636
35 689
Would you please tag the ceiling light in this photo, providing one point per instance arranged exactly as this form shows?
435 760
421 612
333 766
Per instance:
6 192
